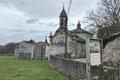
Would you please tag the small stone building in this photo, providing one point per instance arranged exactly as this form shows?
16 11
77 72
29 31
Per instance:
40 50
25 50
31 50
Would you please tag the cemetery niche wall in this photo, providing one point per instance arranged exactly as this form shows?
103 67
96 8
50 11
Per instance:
31 50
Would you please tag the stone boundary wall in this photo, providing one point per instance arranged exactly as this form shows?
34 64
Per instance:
69 67
7 54
74 69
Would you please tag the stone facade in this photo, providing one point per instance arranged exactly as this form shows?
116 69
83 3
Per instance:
31 50
25 50
39 51
75 38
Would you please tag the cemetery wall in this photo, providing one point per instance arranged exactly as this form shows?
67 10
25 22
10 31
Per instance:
74 69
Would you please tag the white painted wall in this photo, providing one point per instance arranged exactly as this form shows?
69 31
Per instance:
54 49
25 48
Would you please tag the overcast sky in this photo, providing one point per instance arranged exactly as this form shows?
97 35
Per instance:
35 19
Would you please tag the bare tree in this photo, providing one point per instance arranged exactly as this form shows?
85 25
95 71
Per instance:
107 14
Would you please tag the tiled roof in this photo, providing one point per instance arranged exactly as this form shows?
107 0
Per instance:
30 41
77 38
80 30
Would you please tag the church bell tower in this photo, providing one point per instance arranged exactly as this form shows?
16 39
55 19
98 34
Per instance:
63 19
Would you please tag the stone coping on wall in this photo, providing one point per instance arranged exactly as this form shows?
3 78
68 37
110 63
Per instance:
82 60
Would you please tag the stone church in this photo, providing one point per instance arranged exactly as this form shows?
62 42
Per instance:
76 39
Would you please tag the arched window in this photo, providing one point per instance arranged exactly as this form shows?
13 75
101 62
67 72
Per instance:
61 22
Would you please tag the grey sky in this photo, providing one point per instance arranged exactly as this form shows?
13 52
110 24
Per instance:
34 19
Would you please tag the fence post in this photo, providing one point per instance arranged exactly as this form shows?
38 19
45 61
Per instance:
118 69
87 60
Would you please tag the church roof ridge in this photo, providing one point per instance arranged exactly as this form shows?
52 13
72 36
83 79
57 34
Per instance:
29 42
77 38
80 30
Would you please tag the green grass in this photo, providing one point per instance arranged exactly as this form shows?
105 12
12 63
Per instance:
14 69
